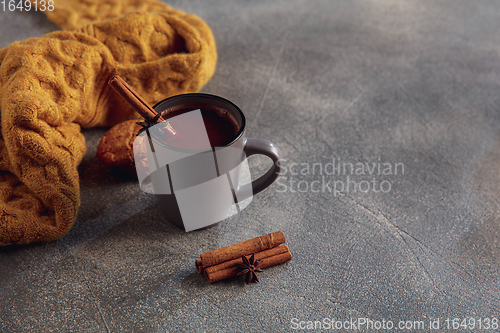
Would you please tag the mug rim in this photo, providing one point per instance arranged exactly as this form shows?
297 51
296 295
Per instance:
236 137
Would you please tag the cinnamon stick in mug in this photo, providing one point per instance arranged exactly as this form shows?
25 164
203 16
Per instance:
137 102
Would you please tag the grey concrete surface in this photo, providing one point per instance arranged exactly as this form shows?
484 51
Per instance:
392 82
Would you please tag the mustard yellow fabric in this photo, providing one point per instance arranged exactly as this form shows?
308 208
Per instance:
52 86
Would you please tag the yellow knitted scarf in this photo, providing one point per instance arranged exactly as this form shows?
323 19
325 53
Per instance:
53 85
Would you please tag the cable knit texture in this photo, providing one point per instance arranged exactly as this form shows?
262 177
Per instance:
52 86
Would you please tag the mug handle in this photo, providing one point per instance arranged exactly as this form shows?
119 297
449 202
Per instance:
267 148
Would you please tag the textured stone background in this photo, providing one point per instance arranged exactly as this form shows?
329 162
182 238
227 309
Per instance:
387 81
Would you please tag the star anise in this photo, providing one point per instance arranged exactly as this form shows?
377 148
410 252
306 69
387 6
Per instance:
249 267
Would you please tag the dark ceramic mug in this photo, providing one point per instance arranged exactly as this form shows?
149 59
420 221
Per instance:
199 187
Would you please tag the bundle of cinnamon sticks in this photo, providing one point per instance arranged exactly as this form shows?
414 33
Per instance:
219 264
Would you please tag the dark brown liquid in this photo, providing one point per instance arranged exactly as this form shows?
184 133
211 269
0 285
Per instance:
192 133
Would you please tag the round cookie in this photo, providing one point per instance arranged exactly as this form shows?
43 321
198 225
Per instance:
116 146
